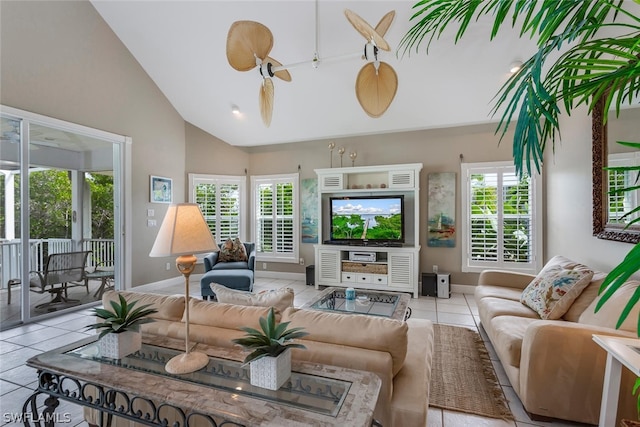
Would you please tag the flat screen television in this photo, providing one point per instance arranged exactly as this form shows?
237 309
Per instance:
367 219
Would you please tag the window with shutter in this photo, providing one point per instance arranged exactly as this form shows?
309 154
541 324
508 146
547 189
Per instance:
621 202
221 199
275 223
502 228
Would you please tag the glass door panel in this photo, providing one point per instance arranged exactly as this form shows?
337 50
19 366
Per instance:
70 254
10 248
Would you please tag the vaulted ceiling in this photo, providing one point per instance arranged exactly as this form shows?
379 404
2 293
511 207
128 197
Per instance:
182 46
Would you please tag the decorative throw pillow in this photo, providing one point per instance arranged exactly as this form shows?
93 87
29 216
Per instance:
232 250
551 293
278 298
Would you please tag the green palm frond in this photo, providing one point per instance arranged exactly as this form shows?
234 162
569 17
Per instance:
273 339
592 68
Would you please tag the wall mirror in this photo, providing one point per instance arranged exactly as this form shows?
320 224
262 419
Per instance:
608 209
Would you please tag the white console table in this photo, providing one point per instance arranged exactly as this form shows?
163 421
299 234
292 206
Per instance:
620 351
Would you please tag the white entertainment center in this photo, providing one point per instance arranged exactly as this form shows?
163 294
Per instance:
385 266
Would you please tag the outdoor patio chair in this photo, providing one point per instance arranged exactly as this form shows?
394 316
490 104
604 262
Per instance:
61 271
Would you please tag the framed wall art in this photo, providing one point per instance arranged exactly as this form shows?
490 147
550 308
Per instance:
442 210
161 189
309 215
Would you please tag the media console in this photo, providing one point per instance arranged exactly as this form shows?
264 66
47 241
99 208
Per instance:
396 264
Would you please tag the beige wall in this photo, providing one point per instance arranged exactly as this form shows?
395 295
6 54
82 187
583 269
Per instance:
438 150
568 224
60 59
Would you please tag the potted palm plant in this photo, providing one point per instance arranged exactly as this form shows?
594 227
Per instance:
120 329
270 358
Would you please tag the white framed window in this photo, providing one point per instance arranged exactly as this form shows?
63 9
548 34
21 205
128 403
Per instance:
502 218
621 203
222 200
275 225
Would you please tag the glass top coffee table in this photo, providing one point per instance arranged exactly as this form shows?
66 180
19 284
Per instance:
138 388
394 305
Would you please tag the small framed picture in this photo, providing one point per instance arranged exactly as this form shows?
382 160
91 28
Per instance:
161 189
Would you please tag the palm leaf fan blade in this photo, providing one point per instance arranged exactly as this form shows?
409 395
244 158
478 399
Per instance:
366 30
385 23
246 39
375 91
266 101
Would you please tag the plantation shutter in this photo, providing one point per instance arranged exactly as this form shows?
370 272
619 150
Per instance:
220 199
275 224
502 229
622 202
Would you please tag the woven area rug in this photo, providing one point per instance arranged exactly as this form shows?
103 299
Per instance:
462 376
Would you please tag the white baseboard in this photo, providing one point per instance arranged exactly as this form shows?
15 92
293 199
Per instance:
463 289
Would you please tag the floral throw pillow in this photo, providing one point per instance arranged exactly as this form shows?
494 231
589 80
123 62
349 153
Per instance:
552 293
232 250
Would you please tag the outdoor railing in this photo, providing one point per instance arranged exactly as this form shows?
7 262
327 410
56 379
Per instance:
103 251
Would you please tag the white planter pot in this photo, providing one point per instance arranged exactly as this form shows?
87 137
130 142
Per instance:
271 372
117 346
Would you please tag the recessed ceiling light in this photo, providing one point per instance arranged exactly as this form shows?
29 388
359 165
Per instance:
235 110
515 66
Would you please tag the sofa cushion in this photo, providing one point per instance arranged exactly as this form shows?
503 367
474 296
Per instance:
491 307
278 298
554 289
508 333
504 292
375 333
585 298
230 316
609 313
233 250
170 307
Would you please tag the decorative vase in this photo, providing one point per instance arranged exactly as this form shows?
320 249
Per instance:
271 372
117 346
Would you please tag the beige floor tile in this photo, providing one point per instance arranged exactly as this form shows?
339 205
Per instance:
451 308
452 419
456 319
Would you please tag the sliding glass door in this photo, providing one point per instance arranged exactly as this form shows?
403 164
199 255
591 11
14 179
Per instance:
60 248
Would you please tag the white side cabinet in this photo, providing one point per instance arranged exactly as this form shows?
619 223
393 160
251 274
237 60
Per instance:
396 265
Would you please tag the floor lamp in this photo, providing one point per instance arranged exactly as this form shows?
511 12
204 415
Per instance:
183 233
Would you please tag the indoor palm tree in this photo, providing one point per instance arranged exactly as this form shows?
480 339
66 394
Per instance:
593 65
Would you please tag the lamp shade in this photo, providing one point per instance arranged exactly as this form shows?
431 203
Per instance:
183 232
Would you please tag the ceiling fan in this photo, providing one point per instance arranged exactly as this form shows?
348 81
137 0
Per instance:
249 44
377 81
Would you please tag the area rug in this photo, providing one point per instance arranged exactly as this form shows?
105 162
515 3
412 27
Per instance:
462 376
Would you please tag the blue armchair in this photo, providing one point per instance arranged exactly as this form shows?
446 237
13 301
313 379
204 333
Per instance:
233 274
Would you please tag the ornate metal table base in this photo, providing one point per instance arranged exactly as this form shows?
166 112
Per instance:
134 408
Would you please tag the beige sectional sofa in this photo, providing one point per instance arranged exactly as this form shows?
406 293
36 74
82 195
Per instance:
554 366
399 352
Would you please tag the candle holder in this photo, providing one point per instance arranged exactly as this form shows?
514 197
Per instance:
331 146
352 156
341 152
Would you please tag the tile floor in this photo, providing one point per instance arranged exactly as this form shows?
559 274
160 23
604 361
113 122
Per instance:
18 344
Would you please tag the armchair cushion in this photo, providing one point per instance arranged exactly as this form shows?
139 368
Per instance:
213 260
232 250
231 265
